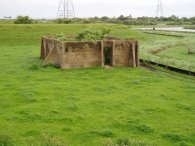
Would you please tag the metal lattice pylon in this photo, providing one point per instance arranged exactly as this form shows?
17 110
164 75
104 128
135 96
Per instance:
66 9
159 10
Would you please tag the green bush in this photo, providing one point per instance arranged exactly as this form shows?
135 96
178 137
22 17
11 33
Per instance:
86 34
23 20
86 21
62 37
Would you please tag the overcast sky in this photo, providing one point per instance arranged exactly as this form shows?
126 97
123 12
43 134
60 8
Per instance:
91 8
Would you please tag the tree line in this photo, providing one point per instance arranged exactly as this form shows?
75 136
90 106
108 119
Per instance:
127 20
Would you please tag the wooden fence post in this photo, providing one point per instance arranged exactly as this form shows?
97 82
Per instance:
102 53
63 48
42 53
137 54
166 64
113 53
133 55
190 69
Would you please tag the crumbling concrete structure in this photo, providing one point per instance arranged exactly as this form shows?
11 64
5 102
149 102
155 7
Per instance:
90 53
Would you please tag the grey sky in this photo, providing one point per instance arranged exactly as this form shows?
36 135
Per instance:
91 8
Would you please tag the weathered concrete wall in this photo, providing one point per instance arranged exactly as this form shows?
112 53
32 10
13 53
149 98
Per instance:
82 54
126 53
122 53
89 54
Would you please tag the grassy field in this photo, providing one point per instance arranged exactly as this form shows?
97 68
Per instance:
190 27
88 107
175 49
19 35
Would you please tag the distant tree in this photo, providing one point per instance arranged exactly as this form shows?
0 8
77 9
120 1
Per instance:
23 20
63 21
122 18
129 20
165 19
130 16
86 21
192 19
173 18
96 17
184 19
104 18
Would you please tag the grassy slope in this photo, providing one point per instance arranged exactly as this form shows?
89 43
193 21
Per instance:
87 106
19 34
178 53
178 56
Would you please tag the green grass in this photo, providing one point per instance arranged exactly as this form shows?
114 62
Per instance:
95 106
190 27
6 21
179 54
30 34
176 49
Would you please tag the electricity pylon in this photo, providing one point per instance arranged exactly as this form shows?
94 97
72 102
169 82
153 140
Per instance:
66 9
159 10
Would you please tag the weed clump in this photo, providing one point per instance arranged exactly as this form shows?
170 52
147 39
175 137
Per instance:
52 141
103 133
5 140
142 128
125 142
173 137
34 67
46 141
84 35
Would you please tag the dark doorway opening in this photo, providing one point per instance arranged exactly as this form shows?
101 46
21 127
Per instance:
108 56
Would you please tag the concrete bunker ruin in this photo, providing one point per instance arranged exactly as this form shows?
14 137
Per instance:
83 54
